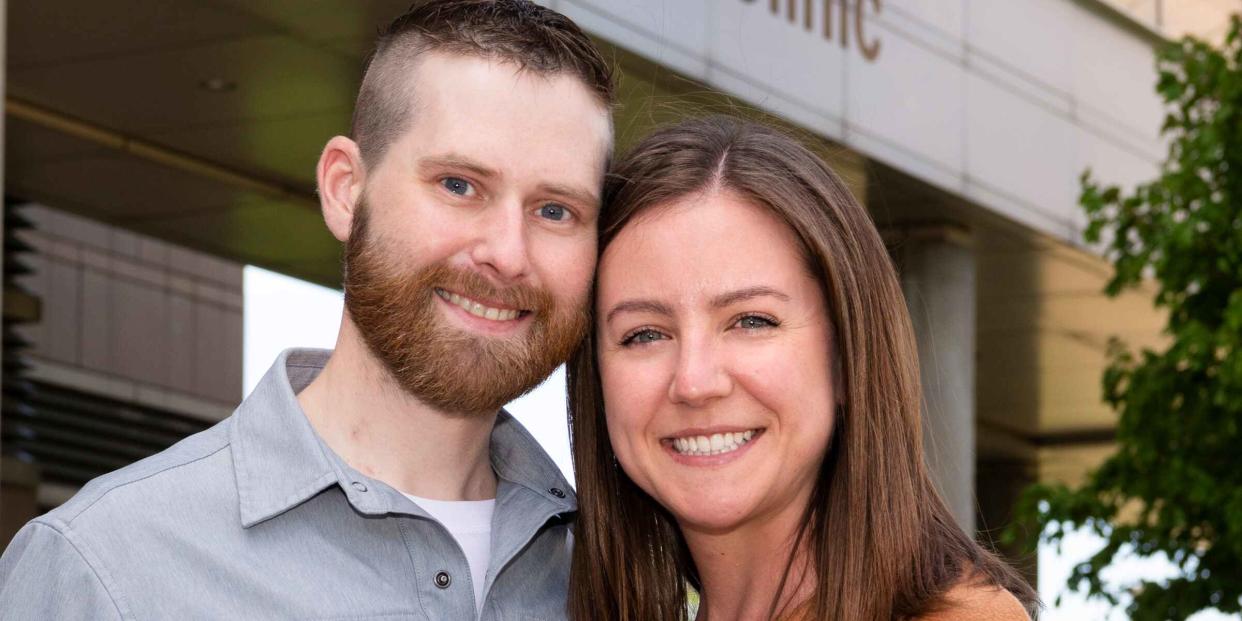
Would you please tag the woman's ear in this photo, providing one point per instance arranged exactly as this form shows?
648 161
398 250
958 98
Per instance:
341 176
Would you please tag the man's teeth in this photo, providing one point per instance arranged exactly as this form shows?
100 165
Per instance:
476 309
715 444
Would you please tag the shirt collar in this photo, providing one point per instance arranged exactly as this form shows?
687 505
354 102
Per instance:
281 462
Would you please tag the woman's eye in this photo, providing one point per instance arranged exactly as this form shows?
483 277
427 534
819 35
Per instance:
457 186
642 337
753 322
554 212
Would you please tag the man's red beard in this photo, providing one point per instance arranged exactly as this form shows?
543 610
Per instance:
443 366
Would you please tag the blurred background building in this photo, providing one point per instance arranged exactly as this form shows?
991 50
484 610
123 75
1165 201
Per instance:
1205 19
153 148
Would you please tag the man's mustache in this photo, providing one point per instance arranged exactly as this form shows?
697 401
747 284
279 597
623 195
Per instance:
477 287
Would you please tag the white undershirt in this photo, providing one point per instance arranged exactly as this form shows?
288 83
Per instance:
470 524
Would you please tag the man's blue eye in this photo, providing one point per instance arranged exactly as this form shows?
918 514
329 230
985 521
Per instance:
554 212
457 186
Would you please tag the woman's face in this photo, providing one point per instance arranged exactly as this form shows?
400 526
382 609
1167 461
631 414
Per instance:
716 362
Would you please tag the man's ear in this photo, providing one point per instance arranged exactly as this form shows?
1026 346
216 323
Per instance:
341 177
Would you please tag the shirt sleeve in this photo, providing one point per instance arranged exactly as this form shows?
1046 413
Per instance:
44 576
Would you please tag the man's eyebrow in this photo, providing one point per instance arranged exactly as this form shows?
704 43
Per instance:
638 306
577 195
749 293
457 161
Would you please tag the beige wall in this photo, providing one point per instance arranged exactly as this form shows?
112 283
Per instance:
132 317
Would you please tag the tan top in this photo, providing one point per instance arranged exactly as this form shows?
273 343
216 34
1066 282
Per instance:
964 602
979 603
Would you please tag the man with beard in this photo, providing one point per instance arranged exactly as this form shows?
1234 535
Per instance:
382 478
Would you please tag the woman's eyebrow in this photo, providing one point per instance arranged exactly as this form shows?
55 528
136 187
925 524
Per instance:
638 306
720 301
741 295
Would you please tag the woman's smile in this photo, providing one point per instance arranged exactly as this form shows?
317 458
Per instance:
711 443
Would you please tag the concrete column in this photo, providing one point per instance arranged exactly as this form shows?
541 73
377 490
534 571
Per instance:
938 278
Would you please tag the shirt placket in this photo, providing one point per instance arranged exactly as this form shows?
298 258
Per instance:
442 573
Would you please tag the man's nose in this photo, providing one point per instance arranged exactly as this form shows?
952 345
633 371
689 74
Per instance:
701 377
501 249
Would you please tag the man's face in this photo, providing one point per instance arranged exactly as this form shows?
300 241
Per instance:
469 263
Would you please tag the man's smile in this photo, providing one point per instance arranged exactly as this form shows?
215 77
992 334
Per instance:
479 309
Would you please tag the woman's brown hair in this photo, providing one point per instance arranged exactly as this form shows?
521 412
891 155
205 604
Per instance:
881 543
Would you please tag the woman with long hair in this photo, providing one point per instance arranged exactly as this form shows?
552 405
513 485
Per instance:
745 414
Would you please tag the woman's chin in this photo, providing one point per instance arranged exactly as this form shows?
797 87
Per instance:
715 517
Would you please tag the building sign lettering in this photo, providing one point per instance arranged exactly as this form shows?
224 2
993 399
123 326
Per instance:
839 18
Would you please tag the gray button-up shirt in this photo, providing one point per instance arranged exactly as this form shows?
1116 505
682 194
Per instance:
256 518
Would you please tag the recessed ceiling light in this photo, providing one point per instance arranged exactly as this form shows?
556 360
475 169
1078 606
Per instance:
218 85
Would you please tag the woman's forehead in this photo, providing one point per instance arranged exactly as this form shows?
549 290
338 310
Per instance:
701 247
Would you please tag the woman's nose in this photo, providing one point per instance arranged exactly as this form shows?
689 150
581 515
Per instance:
701 377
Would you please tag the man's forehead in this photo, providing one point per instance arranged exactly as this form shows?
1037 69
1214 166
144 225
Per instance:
496 117
446 87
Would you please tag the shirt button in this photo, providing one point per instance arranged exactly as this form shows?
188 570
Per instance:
443 579
556 491
359 485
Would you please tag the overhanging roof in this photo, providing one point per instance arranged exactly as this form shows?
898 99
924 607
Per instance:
199 122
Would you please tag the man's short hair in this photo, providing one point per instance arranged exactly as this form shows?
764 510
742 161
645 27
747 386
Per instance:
521 32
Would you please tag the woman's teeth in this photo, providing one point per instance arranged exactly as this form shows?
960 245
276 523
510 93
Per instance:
715 444
476 309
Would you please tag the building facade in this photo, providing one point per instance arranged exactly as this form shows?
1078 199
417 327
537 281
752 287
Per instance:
135 344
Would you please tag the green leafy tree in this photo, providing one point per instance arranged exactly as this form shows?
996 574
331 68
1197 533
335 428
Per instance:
1174 486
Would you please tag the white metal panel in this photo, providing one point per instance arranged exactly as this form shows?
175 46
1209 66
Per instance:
770 51
1114 80
998 71
1110 164
1030 36
945 17
1021 151
911 98
670 33
1113 164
